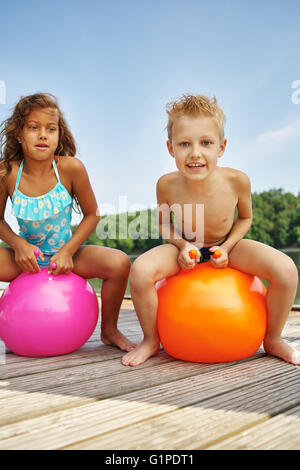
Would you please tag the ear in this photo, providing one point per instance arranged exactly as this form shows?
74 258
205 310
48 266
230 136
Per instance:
222 147
170 148
18 138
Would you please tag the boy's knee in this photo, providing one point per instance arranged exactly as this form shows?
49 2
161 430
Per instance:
140 274
292 271
288 273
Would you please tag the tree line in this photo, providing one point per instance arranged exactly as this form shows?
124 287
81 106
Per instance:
276 222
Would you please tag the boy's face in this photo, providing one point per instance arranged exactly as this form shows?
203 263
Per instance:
196 146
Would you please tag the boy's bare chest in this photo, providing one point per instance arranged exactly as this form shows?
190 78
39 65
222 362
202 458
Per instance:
213 211
214 203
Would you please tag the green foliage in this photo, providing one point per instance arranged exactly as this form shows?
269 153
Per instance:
276 218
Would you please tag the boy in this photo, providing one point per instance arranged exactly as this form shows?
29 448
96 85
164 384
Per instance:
196 141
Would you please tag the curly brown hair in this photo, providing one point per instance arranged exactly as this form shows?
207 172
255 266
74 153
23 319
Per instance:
10 148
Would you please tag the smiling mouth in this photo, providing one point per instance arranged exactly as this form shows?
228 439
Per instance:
195 165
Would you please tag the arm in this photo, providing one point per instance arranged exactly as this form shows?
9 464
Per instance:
167 228
243 221
24 251
81 186
241 224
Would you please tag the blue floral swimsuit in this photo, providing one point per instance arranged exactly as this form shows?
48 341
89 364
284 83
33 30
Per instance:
45 220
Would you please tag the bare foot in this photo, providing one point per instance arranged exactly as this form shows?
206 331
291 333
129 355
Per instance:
116 338
283 350
140 354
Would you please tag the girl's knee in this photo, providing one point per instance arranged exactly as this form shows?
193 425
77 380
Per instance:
121 263
117 264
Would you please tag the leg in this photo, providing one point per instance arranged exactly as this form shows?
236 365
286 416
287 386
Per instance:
155 264
9 269
274 266
113 267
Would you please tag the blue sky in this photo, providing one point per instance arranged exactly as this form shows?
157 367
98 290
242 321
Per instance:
114 65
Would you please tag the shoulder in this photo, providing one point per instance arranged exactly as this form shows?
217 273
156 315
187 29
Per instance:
70 166
167 180
165 186
9 181
237 178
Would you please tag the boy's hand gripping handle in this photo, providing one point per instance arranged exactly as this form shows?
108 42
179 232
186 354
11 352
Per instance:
216 254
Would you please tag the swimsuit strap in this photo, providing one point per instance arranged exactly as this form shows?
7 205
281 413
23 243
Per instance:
21 168
56 171
19 175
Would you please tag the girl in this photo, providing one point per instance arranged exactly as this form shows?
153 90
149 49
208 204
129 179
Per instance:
39 173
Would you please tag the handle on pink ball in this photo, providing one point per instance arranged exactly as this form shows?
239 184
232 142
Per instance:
36 252
53 265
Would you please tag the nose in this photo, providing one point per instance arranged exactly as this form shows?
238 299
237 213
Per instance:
42 135
196 151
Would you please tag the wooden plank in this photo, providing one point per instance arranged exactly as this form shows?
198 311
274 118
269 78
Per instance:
279 433
130 379
64 428
90 353
198 426
170 374
19 405
84 374
13 399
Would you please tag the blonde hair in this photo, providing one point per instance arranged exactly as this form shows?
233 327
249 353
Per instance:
195 105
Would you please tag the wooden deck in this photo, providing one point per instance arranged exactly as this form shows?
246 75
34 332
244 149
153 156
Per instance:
88 400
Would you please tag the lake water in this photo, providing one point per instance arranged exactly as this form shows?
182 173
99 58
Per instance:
294 253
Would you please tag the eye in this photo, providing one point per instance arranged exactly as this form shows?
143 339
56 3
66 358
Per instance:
184 144
206 143
53 129
32 127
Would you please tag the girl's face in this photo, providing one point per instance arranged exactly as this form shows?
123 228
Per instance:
39 138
